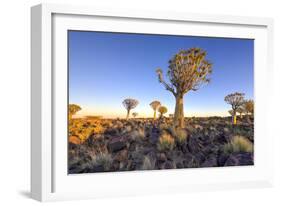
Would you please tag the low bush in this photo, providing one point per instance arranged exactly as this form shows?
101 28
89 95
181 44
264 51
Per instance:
148 164
166 142
103 159
179 134
238 144
137 134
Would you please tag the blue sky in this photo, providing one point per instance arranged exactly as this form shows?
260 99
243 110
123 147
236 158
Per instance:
106 68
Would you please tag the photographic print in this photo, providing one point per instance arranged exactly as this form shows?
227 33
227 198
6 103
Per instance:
152 102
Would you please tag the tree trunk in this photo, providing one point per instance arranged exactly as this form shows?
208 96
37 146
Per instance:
234 118
154 115
128 113
179 115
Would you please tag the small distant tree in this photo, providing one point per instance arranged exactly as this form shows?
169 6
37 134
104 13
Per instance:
240 110
130 104
187 71
249 108
162 110
230 112
154 105
73 109
135 114
236 100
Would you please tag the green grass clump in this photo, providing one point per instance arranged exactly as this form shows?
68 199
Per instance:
238 144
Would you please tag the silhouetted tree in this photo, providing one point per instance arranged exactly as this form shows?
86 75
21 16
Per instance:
129 104
162 110
236 100
73 109
135 114
154 105
188 70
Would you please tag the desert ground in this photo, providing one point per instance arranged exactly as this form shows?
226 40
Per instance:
107 145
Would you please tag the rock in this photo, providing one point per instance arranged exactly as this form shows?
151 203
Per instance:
179 165
97 168
116 144
154 135
222 159
121 156
226 130
198 127
190 161
210 162
169 165
194 145
239 159
161 157
111 131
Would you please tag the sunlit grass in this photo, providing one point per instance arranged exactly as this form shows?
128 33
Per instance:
238 144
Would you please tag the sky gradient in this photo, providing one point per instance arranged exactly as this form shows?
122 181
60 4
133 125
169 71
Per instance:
106 68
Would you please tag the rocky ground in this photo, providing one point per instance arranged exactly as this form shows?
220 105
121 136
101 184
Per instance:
97 145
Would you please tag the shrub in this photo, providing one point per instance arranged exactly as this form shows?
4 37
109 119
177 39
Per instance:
103 159
166 142
148 164
138 134
163 126
238 144
180 135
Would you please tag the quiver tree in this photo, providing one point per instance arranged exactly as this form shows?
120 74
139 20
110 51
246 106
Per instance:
129 104
240 110
187 70
248 108
135 114
162 110
73 109
236 100
154 105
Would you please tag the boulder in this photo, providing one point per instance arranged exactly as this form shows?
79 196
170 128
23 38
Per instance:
210 162
121 156
116 144
169 165
240 159
154 135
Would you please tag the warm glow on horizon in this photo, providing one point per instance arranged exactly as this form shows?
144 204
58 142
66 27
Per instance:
111 113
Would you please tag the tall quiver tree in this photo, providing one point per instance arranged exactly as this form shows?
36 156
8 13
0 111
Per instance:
154 105
187 70
129 104
73 109
236 100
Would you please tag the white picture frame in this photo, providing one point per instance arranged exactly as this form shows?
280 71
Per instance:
49 178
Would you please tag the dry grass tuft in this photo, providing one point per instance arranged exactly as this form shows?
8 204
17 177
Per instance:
148 164
179 134
238 144
166 142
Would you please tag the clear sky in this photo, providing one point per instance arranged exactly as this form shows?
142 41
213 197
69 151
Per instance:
106 68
